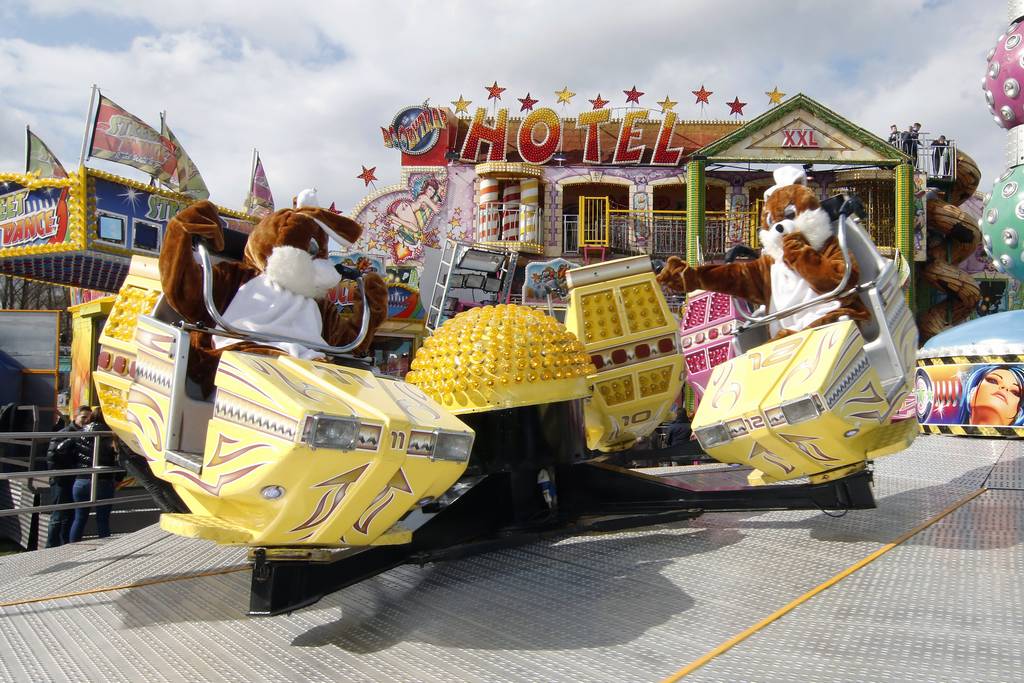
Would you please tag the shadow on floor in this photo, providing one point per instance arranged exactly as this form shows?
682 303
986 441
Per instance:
609 591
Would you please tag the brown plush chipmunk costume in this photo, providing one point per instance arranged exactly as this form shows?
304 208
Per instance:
800 259
279 288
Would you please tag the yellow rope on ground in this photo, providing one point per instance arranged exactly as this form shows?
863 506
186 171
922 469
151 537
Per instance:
739 638
138 584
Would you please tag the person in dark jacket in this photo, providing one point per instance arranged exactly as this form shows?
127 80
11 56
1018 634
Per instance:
909 141
940 156
894 136
104 482
63 454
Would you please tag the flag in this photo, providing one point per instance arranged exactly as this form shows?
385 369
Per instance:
260 201
39 159
126 139
186 178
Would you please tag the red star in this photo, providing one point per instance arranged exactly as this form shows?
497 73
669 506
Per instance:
632 95
527 103
702 95
598 102
493 91
736 107
367 175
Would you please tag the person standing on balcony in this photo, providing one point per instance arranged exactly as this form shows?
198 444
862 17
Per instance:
894 136
940 156
910 142
64 454
104 482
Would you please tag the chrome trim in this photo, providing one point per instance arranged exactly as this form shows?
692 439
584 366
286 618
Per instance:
211 308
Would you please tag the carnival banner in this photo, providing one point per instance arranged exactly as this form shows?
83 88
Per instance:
260 200
123 138
129 215
186 178
404 300
546 279
403 220
976 395
33 218
39 159
345 292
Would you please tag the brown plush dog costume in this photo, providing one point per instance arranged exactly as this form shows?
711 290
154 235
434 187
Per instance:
800 258
279 288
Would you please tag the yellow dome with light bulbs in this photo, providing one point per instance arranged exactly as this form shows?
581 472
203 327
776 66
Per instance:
502 356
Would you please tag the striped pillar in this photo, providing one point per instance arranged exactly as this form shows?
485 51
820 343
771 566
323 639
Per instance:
694 207
489 215
905 222
510 212
529 196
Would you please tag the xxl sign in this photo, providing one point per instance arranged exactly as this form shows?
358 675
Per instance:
30 218
540 135
799 137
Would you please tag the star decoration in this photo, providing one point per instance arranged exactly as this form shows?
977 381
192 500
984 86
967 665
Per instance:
632 95
565 95
736 107
367 175
702 95
598 102
455 222
493 91
131 196
775 97
527 103
667 105
462 105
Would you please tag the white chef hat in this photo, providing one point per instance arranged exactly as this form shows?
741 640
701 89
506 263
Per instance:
786 175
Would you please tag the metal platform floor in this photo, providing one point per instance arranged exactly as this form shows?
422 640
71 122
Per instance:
667 602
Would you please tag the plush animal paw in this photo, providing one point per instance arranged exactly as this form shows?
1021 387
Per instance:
202 220
792 245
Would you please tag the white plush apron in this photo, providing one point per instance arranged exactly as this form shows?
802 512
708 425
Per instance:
789 289
262 305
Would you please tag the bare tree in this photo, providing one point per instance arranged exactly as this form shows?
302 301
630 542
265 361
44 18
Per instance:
19 293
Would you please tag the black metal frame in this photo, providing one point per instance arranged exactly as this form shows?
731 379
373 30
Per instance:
492 514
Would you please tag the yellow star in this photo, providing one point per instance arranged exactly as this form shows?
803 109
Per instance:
667 104
775 97
565 95
462 105
455 222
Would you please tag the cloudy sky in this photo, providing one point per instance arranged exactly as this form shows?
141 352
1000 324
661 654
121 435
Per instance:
309 83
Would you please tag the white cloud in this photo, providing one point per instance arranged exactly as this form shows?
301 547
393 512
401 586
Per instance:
309 83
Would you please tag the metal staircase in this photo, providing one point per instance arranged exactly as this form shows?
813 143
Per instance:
463 260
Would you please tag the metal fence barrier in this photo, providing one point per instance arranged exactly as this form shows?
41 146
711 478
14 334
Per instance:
30 440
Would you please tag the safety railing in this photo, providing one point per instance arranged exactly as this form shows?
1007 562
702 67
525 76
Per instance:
32 440
726 229
506 222
931 154
570 234
663 233
658 233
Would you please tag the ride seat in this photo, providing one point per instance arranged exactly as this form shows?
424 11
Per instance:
885 332
190 411
890 335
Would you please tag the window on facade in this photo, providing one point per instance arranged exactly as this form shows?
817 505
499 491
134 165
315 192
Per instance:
110 228
146 236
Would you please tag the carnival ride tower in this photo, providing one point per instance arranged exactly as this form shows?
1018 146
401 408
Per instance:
970 379
952 238
1002 222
